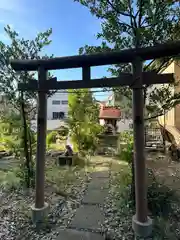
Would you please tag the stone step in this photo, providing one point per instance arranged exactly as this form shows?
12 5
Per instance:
88 217
78 235
100 174
95 196
99 183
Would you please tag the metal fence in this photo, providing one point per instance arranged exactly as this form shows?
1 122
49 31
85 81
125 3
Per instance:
153 137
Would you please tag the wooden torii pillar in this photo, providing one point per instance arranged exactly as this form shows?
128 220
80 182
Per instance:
142 224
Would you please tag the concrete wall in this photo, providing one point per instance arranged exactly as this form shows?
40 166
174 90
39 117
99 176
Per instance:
124 125
51 125
60 106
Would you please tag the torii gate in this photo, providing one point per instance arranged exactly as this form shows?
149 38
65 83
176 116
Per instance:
142 224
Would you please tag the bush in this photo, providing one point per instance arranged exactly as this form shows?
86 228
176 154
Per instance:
163 205
63 131
160 197
24 176
125 153
51 138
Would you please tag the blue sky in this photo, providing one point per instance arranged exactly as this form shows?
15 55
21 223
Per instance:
73 27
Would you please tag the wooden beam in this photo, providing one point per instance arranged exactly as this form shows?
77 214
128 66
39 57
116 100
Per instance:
125 79
108 58
86 73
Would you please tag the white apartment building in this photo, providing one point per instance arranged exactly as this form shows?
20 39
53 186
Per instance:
57 106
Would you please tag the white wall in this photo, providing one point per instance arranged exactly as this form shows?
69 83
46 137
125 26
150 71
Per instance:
59 96
102 122
51 125
124 125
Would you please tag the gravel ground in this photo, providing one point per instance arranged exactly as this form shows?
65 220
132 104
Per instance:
15 223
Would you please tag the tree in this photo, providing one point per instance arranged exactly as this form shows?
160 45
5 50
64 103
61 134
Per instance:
133 23
22 102
83 120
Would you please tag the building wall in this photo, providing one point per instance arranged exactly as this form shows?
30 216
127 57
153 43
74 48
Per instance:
124 125
172 118
169 117
111 100
57 105
51 125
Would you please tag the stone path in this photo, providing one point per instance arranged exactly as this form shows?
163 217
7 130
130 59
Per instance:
89 217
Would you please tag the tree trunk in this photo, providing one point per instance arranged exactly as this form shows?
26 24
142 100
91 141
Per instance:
32 176
25 143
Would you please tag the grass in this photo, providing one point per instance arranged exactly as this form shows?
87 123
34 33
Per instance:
59 147
9 180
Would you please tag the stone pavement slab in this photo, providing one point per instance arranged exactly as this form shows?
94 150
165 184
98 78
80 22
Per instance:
100 174
99 183
78 235
95 196
88 217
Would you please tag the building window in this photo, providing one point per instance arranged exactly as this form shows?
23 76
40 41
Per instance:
56 102
58 115
64 102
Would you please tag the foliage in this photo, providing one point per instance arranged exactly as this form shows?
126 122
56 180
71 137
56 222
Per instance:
51 137
57 147
163 204
63 131
137 23
160 198
126 152
24 104
11 138
10 127
83 124
161 100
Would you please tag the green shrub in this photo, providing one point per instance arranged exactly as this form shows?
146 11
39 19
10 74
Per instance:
164 229
160 197
63 131
125 153
51 138
23 175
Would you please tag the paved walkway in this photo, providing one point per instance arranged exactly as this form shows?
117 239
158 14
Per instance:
89 217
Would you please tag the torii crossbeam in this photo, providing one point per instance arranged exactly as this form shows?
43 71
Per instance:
142 224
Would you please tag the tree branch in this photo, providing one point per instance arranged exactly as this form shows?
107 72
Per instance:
140 13
125 24
158 115
119 12
133 23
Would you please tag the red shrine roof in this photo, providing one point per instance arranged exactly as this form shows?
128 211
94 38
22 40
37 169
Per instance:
109 113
